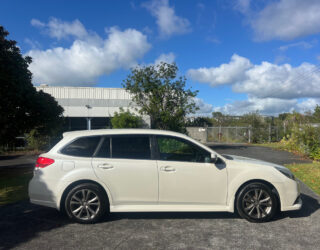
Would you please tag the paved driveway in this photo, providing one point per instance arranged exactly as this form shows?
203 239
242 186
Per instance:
23 225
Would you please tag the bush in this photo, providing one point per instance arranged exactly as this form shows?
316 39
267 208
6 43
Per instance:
305 140
126 119
36 141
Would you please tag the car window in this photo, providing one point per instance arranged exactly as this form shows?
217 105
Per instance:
83 147
176 149
104 151
131 147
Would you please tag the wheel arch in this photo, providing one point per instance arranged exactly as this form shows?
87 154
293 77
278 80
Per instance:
267 183
76 183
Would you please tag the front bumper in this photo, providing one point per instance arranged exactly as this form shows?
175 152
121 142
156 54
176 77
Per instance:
290 197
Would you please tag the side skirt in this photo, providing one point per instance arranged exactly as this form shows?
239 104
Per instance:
169 208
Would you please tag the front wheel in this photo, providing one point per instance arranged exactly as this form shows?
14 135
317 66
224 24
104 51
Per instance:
86 203
256 202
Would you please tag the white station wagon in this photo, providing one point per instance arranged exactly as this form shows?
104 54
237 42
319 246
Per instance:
90 173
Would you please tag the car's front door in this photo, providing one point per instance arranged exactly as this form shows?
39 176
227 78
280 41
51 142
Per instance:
186 175
124 164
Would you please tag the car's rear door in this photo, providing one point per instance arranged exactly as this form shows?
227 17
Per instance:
125 165
186 175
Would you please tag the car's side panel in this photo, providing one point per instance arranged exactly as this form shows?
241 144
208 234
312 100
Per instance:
49 183
129 181
240 173
191 183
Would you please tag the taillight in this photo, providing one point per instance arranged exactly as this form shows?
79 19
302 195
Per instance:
43 162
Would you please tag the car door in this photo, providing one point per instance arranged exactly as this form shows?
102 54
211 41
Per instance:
186 175
124 164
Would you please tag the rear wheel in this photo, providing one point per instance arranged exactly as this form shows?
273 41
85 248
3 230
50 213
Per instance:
256 202
86 203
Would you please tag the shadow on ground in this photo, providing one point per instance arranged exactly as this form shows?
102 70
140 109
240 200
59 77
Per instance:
9 157
24 221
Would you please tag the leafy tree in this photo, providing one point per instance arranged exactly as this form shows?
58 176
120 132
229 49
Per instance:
316 114
199 122
126 119
22 108
160 94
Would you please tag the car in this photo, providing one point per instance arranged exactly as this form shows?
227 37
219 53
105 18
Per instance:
91 173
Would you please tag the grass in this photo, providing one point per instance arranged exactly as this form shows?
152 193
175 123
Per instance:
309 173
14 185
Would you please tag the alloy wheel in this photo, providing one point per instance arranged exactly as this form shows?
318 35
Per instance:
85 204
257 203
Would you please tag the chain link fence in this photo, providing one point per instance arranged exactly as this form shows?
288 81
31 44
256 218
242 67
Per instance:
237 134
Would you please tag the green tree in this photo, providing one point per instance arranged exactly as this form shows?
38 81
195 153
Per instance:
160 94
316 114
126 119
22 108
199 122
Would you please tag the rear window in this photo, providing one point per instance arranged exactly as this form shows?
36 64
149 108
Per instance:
131 147
83 147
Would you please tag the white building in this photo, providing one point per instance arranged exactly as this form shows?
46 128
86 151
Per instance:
88 107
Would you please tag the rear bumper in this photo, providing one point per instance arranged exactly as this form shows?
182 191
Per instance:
44 203
41 194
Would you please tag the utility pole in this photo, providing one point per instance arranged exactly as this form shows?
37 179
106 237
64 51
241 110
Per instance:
88 117
269 133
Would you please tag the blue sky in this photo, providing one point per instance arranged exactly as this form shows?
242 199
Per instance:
242 56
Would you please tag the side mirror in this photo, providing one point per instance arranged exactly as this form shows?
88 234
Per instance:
214 158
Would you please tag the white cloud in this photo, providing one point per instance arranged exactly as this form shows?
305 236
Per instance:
37 23
280 81
243 6
168 22
32 43
89 56
205 109
266 106
168 58
284 19
271 88
308 104
302 44
61 29
226 73
263 80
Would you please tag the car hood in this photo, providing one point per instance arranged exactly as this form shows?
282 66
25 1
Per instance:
252 161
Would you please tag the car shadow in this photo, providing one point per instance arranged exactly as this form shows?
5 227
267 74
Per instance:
310 206
169 215
9 157
24 221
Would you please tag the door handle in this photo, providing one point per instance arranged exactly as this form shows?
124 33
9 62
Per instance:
105 166
168 169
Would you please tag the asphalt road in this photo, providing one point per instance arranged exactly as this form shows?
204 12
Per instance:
26 226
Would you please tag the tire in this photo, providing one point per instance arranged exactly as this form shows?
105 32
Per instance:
86 203
256 202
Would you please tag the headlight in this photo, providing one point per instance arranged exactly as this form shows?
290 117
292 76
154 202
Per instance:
286 172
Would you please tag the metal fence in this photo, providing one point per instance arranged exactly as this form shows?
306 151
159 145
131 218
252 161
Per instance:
236 134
